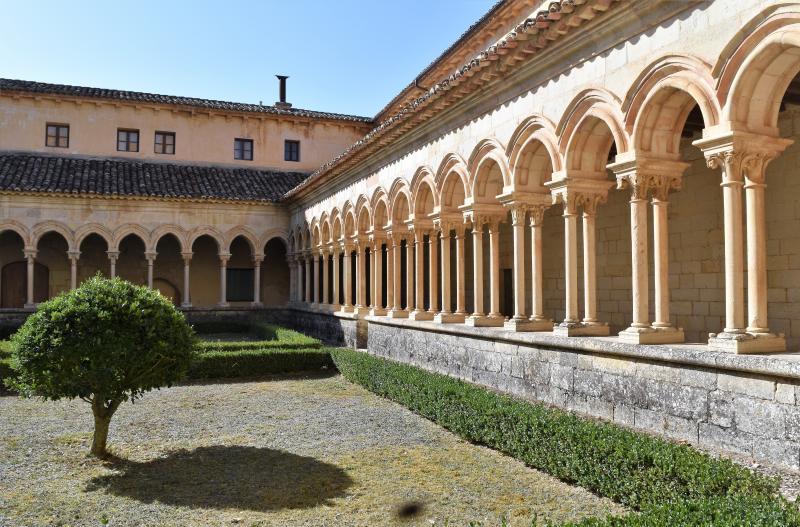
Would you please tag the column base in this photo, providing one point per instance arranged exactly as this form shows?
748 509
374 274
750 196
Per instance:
420 315
360 310
29 306
377 312
581 329
398 313
484 321
652 335
527 324
448 318
223 304
186 304
747 342
346 309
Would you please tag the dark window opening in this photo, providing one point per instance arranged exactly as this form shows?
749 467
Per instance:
127 140
165 143
239 285
57 135
291 150
243 149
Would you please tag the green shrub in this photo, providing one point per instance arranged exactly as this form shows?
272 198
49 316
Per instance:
634 469
105 342
232 326
252 363
270 336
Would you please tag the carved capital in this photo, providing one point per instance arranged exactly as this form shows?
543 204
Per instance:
536 215
518 213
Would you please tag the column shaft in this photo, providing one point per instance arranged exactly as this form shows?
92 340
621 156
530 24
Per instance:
187 259
420 270
494 268
433 265
661 263
477 257
571 266
461 308
639 262
734 261
589 272
446 297
325 282
409 274
537 307
519 266
390 274
756 259
223 282
347 275
336 273
257 282
308 279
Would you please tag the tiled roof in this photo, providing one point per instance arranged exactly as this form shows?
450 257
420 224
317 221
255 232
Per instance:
141 97
31 173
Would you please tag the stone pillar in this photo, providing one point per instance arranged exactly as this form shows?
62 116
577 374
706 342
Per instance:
325 282
112 263
299 280
446 315
477 317
461 308
397 281
316 290
336 273
361 279
640 326
661 266
433 268
390 273
30 257
409 274
570 265
377 277
257 259
348 276
187 260
73 268
308 278
419 312
589 266
150 256
519 321
223 279
537 321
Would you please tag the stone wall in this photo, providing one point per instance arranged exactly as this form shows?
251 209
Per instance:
736 404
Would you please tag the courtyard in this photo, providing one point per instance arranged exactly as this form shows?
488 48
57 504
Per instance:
290 450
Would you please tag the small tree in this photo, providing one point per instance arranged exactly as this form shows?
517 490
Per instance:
106 342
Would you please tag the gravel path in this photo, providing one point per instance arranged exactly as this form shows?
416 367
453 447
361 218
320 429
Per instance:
288 451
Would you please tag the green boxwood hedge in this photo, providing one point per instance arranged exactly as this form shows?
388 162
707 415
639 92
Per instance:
255 362
672 484
268 335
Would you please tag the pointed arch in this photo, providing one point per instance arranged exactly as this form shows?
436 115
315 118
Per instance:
124 230
211 232
658 103
533 154
590 125
163 230
241 231
52 226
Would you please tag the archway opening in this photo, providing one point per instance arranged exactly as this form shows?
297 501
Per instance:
275 274
205 272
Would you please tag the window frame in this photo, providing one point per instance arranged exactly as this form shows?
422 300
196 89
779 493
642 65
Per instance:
58 127
129 131
286 150
163 144
243 141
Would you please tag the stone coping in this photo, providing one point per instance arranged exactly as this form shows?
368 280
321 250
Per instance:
698 355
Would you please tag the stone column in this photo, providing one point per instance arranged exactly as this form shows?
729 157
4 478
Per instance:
477 317
348 276
361 279
409 274
519 322
150 256
640 326
299 280
390 273
336 273
494 269
461 308
433 268
308 278
316 291
446 315
30 256
187 260
591 326
419 312
570 264
325 282
661 267
377 277
397 281
538 322
73 268
257 259
112 263
223 279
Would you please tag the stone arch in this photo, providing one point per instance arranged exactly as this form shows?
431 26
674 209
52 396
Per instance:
349 215
661 99
363 215
245 233
424 199
325 229
452 182
337 229
52 226
125 230
757 86
17 227
533 154
211 232
591 124
272 234
400 200
380 209
488 171
163 230
315 233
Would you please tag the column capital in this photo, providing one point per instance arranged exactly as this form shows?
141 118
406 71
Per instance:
73 255
574 193
150 255
224 257
187 256
258 258
30 252
741 155
536 215
112 255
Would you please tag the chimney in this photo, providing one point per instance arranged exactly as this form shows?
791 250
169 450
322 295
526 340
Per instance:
282 103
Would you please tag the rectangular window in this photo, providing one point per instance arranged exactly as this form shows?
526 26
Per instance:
57 135
165 143
239 286
291 150
243 149
127 140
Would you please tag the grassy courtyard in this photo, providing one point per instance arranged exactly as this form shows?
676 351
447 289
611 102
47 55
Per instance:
279 451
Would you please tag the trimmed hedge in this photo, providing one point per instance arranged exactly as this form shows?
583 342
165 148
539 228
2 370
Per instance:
252 363
674 484
5 364
270 336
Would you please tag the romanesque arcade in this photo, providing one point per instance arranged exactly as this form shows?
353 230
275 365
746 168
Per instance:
644 214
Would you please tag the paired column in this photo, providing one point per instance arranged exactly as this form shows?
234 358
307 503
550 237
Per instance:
316 290
538 322
223 282
361 279
409 274
112 263
478 318
187 260
397 310
519 321
419 312
433 272
376 276
257 259
477 315
461 309
150 256
73 256
336 273
348 276
446 315
307 295
390 272
325 282
30 257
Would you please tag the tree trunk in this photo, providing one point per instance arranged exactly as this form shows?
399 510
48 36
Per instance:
102 419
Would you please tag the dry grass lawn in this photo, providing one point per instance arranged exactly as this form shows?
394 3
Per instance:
285 451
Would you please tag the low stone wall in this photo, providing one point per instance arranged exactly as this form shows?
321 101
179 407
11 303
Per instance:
737 404
332 328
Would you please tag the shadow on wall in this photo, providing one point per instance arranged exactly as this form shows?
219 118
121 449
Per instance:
228 477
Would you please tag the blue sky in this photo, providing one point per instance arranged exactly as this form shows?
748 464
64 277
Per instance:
341 55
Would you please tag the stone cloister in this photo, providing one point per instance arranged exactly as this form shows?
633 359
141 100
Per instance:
689 147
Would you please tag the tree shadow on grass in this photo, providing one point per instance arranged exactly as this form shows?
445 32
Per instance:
228 477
